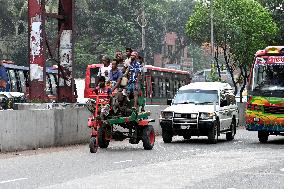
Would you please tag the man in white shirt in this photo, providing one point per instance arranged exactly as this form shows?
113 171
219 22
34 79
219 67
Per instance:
104 70
127 61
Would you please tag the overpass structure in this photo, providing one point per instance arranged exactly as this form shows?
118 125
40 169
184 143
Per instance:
60 50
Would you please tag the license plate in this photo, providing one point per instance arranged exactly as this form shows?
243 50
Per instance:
185 127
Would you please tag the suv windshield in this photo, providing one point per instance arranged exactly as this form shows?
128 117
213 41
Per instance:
196 97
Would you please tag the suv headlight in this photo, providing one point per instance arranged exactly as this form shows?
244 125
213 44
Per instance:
167 115
177 115
206 115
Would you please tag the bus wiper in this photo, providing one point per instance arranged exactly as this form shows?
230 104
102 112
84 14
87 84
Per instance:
186 103
205 103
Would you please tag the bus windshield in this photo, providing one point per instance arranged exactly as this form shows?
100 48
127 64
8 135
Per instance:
196 97
268 77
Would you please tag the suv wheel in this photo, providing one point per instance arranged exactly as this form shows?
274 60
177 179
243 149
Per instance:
167 136
263 136
231 135
213 133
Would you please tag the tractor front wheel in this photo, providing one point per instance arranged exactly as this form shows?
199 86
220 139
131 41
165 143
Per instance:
148 137
103 143
93 146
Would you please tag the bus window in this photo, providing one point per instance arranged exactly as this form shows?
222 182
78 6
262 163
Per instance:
176 85
9 81
13 81
47 85
53 84
22 81
153 94
160 88
171 88
148 87
163 88
93 77
167 88
179 84
156 87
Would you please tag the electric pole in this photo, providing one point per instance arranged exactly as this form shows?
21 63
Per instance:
141 20
212 38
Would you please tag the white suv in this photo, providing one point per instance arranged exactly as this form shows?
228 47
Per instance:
201 109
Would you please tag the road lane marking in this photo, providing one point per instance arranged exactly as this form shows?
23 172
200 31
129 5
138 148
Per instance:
282 169
14 180
129 160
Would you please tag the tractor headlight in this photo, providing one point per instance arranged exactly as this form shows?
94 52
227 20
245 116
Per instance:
206 115
167 115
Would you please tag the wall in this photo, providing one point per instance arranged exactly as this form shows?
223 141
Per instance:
31 129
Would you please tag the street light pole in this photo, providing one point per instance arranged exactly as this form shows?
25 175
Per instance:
212 38
143 31
141 20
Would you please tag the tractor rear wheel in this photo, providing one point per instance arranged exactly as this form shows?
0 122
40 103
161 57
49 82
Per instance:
103 143
148 137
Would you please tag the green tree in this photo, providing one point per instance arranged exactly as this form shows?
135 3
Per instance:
241 28
101 27
106 25
13 29
199 57
178 13
276 8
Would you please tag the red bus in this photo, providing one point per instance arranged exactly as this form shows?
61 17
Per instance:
160 83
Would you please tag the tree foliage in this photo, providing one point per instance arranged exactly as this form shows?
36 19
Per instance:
102 26
276 8
241 27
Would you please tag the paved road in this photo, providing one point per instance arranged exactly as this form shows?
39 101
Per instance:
242 163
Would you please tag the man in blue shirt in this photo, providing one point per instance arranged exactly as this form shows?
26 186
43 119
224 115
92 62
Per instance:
134 76
3 78
115 74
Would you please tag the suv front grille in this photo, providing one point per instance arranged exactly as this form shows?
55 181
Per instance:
185 120
187 116
273 110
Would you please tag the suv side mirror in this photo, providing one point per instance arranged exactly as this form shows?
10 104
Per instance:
169 101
